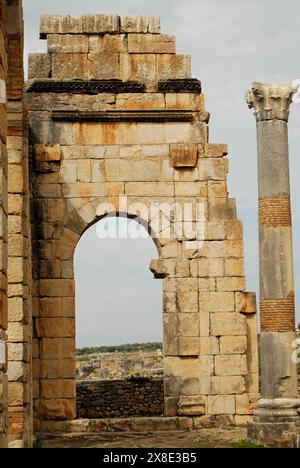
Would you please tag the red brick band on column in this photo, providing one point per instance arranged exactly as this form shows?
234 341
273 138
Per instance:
275 211
278 315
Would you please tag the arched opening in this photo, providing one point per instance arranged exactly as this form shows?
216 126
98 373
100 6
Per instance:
119 331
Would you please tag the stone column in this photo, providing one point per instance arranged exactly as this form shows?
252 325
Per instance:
271 104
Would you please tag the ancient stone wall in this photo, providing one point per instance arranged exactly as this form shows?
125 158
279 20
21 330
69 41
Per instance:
19 243
3 224
116 121
120 398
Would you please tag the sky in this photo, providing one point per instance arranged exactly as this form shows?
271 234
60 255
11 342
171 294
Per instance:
232 44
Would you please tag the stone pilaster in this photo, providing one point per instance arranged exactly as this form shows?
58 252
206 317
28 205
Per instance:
271 104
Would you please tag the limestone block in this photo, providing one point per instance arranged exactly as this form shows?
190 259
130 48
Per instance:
55 328
190 189
252 352
245 302
213 169
189 175
15 178
243 405
183 155
169 302
151 44
70 66
188 325
232 385
55 348
149 189
97 171
87 190
139 67
187 285
57 409
206 365
48 153
217 189
83 170
226 249
56 288
39 66
185 101
17 371
182 376
187 346
145 101
182 268
116 43
204 319
228 324
15 309
68 171
100 152
231 283
216 302
140 24
16 245
234 230
209 345
15 273
220 208
233 344
91 24
16 394
132 170
221 404
17 352
191 406
68 43
215 150
171 66
231 365
171 250
63 368
234 267
63 388
103 65
210 267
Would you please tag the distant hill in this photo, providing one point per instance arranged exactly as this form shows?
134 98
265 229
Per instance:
125 348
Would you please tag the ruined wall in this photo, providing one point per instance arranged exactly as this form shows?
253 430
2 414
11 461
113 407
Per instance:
109 366
114 113
3 224
120 398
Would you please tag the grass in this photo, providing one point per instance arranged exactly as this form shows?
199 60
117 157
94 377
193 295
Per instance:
247 444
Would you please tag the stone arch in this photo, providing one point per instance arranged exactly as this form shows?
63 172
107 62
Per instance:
131 123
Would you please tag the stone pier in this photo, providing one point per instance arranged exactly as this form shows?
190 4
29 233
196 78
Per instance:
279 402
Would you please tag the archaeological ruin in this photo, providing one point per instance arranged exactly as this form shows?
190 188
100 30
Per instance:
111 121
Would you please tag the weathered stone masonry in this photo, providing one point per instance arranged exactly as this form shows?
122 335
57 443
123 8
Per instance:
120 398
113 112
3 225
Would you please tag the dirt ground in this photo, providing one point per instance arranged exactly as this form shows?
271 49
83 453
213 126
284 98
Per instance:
204 438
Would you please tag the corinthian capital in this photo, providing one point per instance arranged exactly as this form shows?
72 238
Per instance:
270 101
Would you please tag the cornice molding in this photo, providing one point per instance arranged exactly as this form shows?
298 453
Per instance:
122 116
